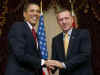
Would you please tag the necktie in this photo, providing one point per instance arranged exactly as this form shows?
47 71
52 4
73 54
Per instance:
66 42
34 35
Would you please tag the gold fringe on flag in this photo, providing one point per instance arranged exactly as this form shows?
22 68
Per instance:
41 7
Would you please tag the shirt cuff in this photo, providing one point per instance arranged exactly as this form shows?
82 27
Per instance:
64 65
42 62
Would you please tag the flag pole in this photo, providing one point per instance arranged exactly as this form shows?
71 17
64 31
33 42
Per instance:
72 8
73 14
41 7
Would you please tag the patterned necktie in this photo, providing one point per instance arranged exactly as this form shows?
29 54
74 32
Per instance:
34 35
66 42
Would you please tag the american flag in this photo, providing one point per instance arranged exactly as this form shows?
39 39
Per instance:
42 42
42 38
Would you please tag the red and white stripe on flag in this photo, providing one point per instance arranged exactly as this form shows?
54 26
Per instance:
46 71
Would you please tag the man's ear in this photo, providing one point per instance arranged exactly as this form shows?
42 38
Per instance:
72 19
24 14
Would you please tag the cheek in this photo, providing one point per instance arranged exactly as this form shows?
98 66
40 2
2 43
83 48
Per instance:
38 14
59 22
61 25
30 14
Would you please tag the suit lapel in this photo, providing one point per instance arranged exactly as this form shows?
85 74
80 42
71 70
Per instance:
61 45
31 35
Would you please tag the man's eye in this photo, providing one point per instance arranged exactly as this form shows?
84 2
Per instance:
60 19
38 11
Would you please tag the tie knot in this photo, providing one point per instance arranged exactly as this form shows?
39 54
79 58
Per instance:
66 35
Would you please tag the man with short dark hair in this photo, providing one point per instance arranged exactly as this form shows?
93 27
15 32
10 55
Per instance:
71 49
25 56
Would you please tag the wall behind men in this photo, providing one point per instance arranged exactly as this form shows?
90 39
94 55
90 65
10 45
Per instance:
51 26
52 29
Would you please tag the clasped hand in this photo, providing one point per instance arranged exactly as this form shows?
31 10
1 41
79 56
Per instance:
53 63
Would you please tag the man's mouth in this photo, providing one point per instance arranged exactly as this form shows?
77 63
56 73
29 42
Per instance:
34 18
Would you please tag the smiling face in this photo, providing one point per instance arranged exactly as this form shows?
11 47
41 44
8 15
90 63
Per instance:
65 20
32 14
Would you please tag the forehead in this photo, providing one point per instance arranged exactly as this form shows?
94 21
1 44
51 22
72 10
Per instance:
64 14
33 6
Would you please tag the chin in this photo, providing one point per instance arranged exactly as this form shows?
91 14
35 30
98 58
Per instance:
34 23
66 30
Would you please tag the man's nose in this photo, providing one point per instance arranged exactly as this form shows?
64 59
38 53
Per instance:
35 13
64 21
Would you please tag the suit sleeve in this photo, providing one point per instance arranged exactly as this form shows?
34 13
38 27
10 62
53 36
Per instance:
83 57
54 55
17 43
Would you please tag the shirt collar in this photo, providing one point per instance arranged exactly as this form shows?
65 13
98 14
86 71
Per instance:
69 32
29 25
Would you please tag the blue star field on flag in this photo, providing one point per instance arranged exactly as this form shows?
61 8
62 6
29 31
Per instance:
42 38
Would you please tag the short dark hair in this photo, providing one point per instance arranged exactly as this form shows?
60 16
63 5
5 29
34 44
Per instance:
26 5
64 9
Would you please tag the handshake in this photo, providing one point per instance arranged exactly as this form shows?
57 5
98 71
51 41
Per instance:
51 64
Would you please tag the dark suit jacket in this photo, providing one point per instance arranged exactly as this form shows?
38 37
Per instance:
24 57
77 60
